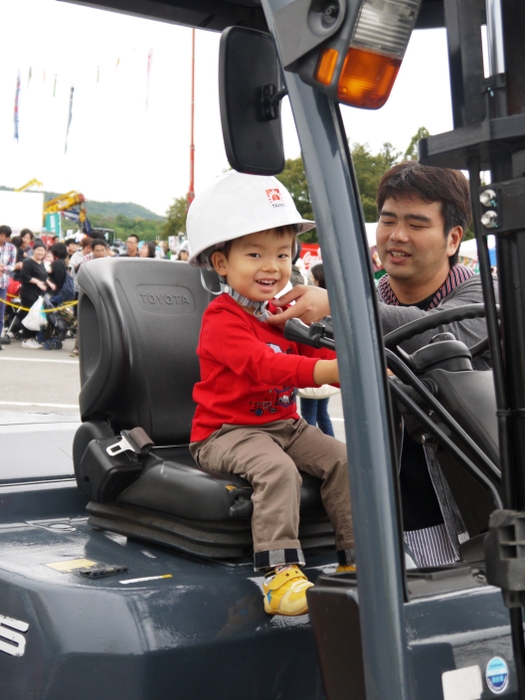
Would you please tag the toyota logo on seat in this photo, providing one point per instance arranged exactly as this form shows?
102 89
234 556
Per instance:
165 299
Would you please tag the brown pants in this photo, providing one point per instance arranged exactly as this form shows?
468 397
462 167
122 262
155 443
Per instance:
271 458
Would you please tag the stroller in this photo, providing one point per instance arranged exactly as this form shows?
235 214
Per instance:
61 323
11 323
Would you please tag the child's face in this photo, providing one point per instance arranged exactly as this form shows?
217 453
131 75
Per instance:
259 265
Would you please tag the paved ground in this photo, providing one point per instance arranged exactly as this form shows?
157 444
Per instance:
40 382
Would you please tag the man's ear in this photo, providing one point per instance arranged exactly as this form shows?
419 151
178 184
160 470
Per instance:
218 260
454 239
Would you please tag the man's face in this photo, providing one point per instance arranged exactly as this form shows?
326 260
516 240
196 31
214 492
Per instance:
71 248
411 242
132 245
99 251
3 239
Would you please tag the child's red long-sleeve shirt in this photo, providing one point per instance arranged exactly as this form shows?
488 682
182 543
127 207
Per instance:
249 370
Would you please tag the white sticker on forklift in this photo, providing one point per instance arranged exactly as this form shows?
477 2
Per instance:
462 683
66 567
497 675
11 641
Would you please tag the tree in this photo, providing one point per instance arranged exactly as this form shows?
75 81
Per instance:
176 218
293 178
411 152
145 229
369 169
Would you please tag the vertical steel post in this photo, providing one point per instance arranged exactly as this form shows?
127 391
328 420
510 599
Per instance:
506 24
340 226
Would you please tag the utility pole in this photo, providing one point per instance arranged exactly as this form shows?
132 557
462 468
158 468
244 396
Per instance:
191 191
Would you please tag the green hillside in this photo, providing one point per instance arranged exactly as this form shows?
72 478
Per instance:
127 209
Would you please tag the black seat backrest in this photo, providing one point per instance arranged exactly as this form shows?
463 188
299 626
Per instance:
139 323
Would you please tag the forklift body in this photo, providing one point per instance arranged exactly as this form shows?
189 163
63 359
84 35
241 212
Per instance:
149 593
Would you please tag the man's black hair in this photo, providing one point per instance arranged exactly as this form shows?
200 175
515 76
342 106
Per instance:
99 241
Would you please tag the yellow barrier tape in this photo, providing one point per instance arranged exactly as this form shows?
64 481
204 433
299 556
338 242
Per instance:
66 305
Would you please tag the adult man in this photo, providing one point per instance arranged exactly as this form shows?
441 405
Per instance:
132 247
423 213
100 248
7 265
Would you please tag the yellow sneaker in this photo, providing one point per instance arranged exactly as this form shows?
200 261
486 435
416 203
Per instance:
345 568
285 593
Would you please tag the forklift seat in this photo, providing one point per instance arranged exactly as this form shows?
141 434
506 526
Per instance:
139 327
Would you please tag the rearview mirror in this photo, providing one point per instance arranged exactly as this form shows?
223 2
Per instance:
250 91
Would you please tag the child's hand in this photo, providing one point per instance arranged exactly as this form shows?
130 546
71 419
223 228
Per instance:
326 372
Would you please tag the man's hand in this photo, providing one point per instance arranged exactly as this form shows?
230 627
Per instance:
311 304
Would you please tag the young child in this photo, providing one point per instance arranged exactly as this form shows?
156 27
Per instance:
246 421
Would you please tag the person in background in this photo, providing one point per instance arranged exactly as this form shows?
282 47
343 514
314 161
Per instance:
314 401
100 248
71 247
132 247
17 242
147 249
27 238
7 266
183 253
34 284
296 276
162 251
83 254
48 260
59 279
80 256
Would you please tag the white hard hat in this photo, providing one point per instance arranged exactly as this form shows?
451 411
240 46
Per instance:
235 205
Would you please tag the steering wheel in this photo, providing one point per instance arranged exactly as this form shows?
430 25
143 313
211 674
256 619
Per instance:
433 320
296 330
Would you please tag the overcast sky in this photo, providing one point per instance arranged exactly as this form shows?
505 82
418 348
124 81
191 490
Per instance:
129 135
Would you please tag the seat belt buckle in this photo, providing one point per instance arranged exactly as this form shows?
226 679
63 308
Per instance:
135 440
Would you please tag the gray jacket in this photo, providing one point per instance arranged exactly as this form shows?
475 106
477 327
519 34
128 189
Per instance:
470 332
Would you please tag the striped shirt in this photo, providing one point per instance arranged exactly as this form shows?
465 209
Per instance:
431 546
457 275
8 260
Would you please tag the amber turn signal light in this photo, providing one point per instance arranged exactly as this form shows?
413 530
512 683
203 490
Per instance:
326 66
366 79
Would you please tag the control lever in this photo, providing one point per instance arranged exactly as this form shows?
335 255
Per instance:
314 335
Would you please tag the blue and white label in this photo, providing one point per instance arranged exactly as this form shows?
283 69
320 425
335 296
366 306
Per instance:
497 675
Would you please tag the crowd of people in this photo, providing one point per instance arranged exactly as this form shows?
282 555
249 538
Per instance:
31 270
